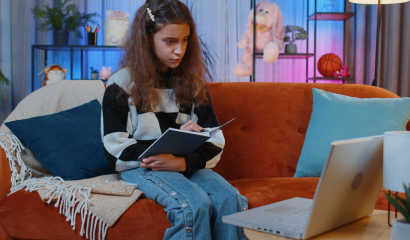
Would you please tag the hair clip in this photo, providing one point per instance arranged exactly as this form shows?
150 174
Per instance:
151 15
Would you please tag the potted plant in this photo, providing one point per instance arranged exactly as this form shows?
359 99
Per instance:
94 73
401 227
62 18
297 33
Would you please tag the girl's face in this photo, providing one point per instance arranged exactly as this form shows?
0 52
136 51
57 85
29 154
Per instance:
170 44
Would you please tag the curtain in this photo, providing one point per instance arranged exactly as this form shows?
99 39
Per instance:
394 50
23 35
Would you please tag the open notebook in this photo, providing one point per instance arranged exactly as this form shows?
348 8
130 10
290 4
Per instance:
179 143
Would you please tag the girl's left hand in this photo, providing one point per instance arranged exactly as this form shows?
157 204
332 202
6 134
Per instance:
164 162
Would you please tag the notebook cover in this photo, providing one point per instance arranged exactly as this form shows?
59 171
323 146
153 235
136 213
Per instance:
177 143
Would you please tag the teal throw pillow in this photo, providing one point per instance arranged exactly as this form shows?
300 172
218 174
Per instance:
68 144
338 117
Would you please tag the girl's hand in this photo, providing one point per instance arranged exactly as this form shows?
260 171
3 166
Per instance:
164 162
191 126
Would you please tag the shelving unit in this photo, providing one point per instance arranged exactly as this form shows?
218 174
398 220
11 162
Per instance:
315 16
71 48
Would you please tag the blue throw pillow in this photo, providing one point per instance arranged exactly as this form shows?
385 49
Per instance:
68 143
338 117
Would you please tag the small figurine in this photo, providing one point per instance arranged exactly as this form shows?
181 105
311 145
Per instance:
105 73
116 27
54 74
94 73
344 72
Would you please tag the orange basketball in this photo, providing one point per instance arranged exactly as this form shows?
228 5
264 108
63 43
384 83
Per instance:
329 63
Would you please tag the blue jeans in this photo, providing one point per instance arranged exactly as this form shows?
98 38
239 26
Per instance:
194 206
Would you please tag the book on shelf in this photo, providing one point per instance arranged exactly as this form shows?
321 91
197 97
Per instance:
179 142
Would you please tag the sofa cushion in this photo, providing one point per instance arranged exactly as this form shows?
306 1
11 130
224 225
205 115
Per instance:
338 117
68 143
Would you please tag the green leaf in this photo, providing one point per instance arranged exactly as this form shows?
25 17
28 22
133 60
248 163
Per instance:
3 79
399 207
71 8
407 191
38 13
56 20
402 201
4 97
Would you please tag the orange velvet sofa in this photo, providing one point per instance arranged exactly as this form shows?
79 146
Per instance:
262 148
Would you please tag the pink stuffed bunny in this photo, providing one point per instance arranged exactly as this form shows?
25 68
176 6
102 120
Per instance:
105 73
270 32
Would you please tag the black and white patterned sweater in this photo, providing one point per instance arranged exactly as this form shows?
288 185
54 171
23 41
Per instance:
128 132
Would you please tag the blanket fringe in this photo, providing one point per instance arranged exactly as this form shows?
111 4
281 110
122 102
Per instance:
69 205
56 187
16 177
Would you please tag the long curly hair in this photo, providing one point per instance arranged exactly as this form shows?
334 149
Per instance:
188 79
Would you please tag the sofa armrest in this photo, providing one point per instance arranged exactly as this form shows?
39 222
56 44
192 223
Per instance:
5 175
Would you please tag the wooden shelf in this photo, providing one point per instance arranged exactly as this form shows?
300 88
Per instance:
331 16
289 55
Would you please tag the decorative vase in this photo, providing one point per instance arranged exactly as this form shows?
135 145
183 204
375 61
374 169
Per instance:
400 230
94 76
290 48
61 37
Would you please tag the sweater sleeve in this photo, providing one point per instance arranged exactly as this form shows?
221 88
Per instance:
121 149
207 155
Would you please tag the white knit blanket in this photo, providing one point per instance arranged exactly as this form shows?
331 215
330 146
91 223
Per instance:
101 200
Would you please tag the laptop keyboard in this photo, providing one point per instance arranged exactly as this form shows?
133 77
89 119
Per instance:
295 219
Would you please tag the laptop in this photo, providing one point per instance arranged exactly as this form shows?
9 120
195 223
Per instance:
348 190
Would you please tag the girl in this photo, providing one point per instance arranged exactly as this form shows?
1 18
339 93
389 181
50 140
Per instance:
162 84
